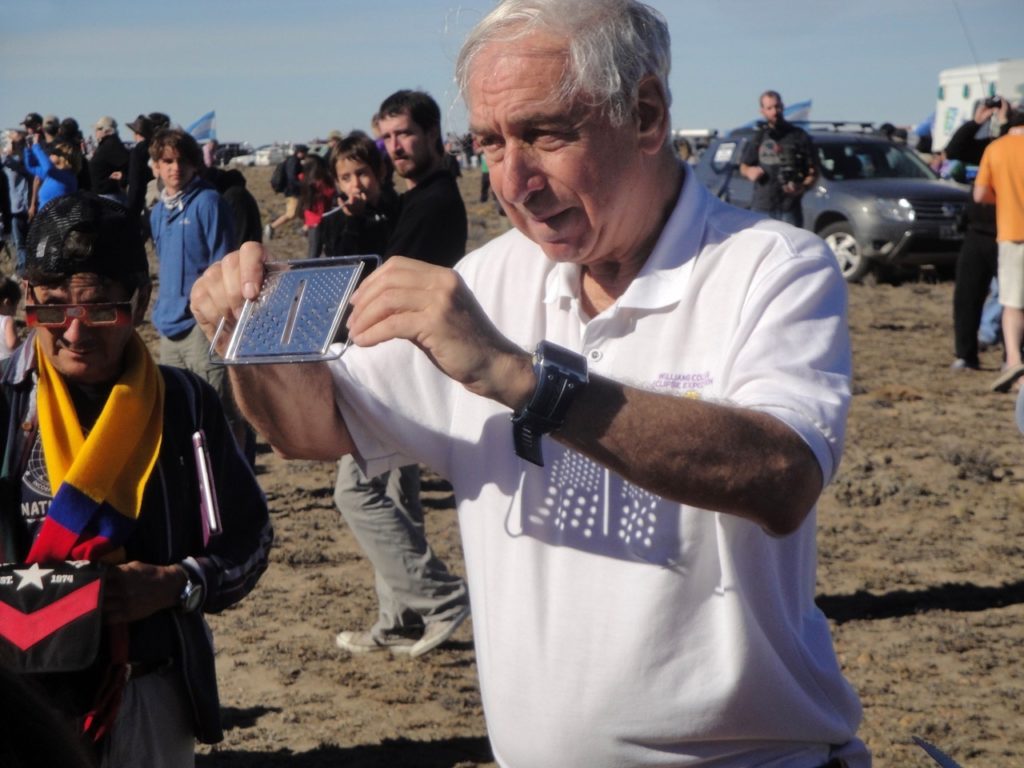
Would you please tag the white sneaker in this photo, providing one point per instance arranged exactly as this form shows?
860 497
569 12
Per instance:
434 634
363 641
268 233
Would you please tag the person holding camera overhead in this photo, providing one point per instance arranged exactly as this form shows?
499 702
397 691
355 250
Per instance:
779 161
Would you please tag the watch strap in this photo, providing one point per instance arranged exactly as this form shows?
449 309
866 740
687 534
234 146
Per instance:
561 375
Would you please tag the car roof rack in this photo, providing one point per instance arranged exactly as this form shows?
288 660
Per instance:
838 126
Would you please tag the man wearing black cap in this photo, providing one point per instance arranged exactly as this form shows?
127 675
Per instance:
107 473
32 123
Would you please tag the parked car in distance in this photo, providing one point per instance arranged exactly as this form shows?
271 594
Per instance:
226 152
271 154
876 203
266 154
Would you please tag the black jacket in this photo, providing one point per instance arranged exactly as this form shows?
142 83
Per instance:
139 176
965 147
342 235
110 157
245 211
432 224
169 528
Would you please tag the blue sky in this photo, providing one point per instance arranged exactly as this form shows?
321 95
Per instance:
294 69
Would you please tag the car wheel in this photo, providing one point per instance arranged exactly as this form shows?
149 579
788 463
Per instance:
854 265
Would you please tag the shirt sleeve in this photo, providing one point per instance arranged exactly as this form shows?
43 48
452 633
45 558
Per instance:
791 355
396 405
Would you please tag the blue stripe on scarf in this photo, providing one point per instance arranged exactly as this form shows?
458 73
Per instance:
73 511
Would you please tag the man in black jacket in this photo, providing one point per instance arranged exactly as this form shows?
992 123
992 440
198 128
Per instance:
976 264
432 219
420 603
139 172
108 166
245 211
84 370
780 163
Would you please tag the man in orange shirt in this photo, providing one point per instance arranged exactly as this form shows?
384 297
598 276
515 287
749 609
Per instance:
1000 181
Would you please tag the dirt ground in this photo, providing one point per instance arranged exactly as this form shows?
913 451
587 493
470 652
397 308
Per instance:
921 573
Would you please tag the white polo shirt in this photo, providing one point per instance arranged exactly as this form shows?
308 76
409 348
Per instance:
613 627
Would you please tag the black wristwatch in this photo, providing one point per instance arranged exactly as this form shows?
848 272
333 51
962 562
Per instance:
561 376
191 596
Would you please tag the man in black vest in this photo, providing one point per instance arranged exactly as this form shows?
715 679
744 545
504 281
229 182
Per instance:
780 162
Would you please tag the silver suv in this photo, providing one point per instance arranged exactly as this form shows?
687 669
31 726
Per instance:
876 203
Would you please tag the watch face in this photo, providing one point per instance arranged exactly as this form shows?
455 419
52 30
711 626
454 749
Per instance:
191 596
570 362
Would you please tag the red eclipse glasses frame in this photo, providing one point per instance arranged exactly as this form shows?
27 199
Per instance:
101 314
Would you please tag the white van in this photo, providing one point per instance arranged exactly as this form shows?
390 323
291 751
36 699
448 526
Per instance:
961 88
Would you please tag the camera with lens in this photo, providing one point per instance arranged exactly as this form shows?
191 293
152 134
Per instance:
793 166
994 101
790 173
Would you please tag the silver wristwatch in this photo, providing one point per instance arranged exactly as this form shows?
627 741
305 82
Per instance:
191 596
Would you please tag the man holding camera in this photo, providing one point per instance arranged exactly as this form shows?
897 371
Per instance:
779 163
976 263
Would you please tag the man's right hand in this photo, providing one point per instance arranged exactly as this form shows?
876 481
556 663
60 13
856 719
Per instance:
222 289
752 172
267 396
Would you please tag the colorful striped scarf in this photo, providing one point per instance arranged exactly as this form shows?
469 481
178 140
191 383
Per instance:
99 480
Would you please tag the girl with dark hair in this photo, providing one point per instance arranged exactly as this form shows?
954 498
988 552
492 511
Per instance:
317 197
366 217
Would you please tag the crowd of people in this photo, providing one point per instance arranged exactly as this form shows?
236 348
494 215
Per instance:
119 480
638 394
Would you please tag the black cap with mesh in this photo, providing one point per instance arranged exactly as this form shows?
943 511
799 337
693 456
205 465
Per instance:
83 232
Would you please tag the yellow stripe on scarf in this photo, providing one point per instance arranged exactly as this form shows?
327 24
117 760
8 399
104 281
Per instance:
115 461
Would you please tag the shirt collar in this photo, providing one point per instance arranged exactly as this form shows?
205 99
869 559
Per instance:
657 285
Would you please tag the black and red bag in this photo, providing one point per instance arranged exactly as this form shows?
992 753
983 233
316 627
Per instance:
50 616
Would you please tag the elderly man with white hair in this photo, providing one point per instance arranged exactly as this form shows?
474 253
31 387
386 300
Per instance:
638 395
108 166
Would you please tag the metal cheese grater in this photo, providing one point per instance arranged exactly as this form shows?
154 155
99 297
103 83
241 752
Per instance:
299 314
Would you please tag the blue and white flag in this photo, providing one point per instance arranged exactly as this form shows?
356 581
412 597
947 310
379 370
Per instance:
801 111
924 128
205 128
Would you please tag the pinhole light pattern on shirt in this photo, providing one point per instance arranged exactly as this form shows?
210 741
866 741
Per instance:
589 508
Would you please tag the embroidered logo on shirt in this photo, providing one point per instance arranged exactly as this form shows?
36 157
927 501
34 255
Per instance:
683 384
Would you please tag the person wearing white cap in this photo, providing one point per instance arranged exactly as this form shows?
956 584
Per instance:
108 166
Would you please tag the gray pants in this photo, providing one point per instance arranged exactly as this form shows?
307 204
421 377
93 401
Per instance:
153 726
413 586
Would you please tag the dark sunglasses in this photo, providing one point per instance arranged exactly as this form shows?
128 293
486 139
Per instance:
102 314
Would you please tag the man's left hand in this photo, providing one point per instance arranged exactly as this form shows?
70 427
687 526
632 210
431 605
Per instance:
432 307
135 590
